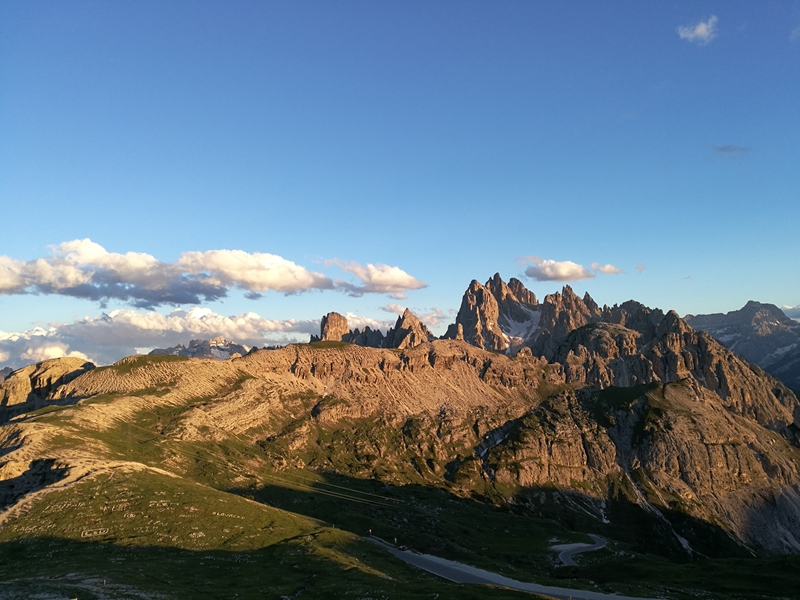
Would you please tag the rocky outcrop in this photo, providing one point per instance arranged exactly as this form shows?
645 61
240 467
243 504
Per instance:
496 316
30 387
215 349
408 332
333 328
521 293
560 315
478 316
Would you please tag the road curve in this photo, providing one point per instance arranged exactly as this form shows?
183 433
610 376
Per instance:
570 550
461 573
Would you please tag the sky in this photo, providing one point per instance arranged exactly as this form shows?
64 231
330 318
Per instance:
179 170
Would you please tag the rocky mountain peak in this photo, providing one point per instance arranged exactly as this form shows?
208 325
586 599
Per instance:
408 332
521 293
333 327
561 314
478 316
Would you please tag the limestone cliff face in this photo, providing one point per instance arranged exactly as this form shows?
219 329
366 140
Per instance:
333 328
561 314
479 316
29 387
496 316
521 293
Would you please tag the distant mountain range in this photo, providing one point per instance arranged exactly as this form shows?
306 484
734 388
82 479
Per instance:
760 333
216 349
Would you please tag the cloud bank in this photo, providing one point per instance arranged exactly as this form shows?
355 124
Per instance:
120 333
84 269
700 33
541 269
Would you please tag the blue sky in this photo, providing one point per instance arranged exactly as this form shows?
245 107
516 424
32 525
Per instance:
438 142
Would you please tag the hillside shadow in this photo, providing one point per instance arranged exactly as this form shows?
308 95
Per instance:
40 473
40 566
514 539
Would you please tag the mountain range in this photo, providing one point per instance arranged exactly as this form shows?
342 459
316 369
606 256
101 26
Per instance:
217 348
760 333
532 423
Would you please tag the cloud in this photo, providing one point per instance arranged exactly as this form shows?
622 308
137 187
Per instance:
794 36
357 321
731 150
608 269
254 272
429 316
84 269
701 33
551 270
114 335
393 308
376 279
34 354
793 312
640 268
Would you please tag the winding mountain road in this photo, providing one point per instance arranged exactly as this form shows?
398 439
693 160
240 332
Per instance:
570 550
461 573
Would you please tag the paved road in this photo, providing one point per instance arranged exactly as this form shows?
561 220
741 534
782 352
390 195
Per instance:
461 573
570 550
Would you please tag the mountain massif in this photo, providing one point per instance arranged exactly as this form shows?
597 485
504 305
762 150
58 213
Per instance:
531 421
760 333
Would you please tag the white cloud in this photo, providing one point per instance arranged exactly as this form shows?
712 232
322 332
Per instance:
377 279
608 269
119 333
393 308
551 270
255 272
36 354
640 268
429 316
84 269
700 33
356 321
793 312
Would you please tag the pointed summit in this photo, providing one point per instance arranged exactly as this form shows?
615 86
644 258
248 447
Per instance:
408 332
479 315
